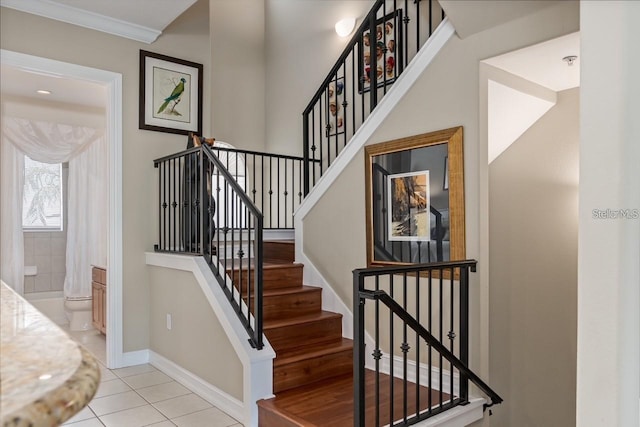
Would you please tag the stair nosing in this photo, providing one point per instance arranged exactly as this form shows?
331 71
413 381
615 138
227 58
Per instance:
322 349
290 290
306 318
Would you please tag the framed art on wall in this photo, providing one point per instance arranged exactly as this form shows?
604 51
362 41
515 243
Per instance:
170 94
415 199
386 46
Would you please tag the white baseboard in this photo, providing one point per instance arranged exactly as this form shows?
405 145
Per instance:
132 358
460 416
425 370
208 392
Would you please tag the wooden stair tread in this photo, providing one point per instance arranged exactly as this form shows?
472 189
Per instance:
308 318
330 402
310 351
266 265
289 291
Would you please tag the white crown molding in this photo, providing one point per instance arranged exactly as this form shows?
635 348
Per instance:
83 18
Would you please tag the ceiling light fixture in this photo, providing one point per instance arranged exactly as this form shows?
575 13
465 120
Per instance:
43 92
570 59
345 26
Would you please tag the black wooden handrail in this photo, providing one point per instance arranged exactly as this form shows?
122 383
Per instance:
357 35
433 342
387 39
439 334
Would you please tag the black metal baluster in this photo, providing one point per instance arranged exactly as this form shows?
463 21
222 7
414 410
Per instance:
300 166
262 184
405 350
353 95
417 26
440 327
452 334
278 191
464 329
165 244
358 351
373 87
418 343
430 17
219 207
253 179
158 166
430 329
313 150
391 347
270 192
384 50
286 192
405 35
377 354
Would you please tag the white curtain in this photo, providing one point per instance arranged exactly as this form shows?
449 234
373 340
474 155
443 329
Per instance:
11 237
85 150
87 220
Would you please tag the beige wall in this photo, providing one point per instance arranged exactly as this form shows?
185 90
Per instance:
186 38
237 72
533 236
196 341
446 95
301 47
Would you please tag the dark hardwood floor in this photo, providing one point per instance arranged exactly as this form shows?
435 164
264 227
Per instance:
330 403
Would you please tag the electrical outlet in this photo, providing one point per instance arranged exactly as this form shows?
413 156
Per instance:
169 321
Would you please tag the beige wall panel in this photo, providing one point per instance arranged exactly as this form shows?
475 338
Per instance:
196 341
533 226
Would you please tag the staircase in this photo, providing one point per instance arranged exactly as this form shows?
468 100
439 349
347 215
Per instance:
313 369
308 341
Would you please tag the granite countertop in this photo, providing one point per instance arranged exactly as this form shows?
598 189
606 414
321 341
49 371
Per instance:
45 376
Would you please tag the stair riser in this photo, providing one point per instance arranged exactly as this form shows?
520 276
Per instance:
293 336
296 304
308 371
279 252
273 278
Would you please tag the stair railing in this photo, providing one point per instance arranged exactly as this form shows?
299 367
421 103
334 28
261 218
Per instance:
386 41
272 181
190 186
420 326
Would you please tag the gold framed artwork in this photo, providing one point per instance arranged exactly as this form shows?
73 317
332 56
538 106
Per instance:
415 199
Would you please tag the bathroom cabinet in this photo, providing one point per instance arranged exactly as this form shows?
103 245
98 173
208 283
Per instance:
99 295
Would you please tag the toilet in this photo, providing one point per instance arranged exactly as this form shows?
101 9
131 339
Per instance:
79 312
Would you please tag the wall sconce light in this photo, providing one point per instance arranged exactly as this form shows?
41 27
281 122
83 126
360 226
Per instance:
345 26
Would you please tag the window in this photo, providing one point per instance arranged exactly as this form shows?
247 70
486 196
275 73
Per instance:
42 199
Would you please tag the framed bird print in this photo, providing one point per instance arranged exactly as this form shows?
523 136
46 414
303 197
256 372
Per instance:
170 94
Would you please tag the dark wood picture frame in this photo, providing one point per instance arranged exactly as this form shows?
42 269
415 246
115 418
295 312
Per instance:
161 107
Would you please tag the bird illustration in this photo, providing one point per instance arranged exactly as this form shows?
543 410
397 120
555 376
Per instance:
175 96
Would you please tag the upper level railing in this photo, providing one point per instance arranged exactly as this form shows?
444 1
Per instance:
387 40
420 325
273 182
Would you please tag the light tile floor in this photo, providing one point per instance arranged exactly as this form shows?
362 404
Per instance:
142 396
